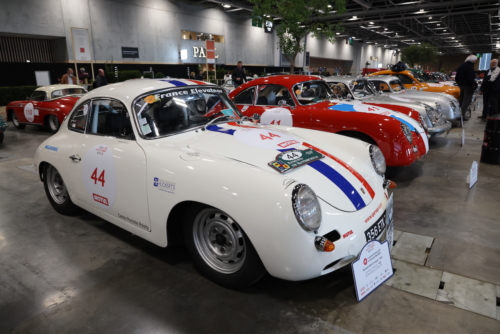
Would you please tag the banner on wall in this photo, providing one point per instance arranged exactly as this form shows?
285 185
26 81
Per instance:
210 47
81 44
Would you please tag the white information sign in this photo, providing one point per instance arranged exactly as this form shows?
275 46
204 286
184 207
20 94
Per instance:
389 221
372 268
472 178
81 44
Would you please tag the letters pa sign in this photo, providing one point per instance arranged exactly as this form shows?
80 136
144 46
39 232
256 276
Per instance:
210 47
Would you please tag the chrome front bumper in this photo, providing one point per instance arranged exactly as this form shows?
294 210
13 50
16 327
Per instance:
439 129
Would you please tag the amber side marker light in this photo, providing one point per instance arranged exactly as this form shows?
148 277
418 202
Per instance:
322 244
390 184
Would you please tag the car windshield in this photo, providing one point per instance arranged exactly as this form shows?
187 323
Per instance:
176 110
361 88
311 92
68 91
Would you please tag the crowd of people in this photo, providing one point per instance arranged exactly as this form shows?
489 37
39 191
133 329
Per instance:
70 79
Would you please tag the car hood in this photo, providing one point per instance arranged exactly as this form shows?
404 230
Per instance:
394 99
344 177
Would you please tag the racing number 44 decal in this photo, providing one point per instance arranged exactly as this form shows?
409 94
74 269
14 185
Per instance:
98 175
271 135
96 179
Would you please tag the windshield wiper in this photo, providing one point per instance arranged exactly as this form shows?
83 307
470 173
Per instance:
212 121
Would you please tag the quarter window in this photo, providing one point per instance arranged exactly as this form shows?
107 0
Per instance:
109 118
245 97
78 120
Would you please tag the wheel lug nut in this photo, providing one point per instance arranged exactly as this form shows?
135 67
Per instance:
222 249
215 230
229 243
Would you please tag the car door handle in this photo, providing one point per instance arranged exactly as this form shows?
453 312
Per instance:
75 158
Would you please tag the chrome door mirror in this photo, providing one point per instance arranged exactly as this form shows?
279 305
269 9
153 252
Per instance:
256 117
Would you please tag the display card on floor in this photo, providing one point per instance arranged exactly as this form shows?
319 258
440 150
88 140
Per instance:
372 268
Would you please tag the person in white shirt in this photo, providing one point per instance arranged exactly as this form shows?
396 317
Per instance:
68 78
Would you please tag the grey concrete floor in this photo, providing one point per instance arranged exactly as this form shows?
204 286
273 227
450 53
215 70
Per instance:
83 275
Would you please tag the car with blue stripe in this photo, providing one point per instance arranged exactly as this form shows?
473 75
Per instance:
174 161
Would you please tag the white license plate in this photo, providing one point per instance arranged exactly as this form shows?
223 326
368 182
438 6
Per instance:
376 229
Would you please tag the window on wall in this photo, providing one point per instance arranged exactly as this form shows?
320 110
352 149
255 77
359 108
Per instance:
484 62
201 36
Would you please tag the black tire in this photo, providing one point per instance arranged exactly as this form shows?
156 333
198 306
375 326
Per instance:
16 123
61 203
1 137
52 122
249 269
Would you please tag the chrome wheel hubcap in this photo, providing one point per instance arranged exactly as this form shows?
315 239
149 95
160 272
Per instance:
219 240
14 119
56 186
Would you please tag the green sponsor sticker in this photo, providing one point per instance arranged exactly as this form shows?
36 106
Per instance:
294 158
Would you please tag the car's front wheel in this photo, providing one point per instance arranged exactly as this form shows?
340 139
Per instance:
53 123
220 248
57 192
16 123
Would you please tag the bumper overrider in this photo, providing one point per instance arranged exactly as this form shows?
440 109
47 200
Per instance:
439 128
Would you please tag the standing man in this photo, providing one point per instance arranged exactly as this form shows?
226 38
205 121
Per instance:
490 89
68 78
239 75
465 79
100 80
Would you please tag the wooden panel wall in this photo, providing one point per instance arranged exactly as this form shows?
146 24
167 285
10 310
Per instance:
19 50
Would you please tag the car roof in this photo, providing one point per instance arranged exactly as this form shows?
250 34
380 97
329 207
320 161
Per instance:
285 79
129 90
51 88
342 79
383 77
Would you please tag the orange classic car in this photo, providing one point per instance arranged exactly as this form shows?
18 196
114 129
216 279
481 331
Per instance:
413 81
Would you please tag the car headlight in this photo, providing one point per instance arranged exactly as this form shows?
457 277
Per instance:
407 132
306 207
422 121
378 159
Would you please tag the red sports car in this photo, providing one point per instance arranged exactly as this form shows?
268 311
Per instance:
308 102
47 106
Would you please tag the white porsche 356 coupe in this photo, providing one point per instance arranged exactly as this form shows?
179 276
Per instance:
174 161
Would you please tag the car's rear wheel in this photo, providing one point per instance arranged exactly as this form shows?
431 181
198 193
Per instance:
220 248
16 123
57 192
53 123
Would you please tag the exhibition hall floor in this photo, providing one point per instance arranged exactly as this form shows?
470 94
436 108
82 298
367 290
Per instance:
81 274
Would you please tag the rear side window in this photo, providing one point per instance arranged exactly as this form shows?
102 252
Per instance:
245 97
272 94
78 120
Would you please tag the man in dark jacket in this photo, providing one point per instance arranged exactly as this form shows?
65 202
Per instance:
239 75
100 80
490 89
465 79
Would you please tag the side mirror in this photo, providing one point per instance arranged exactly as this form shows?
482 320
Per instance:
282 103
256 117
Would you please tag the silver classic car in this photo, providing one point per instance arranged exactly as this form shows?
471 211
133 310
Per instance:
392 86
363 90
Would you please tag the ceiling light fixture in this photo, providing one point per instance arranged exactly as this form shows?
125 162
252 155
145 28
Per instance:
371 22
329 6
226 6
385 28
337 33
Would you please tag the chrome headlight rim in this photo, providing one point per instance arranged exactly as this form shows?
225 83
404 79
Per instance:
296 192
438 107
376 153
407 132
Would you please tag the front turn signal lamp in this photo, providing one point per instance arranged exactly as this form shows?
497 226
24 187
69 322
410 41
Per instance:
322 244
389 184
